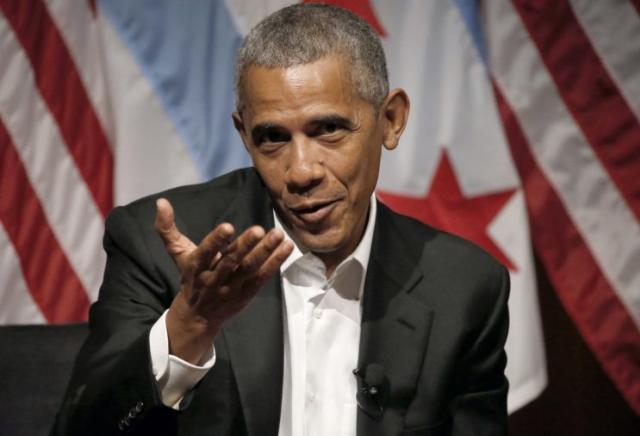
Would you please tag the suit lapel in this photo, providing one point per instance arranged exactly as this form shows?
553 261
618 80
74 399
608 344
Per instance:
255 336
255 342
395 329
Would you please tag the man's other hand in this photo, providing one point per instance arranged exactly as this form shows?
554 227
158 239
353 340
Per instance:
219 278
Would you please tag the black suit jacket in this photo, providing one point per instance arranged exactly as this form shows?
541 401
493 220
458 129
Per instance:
434 317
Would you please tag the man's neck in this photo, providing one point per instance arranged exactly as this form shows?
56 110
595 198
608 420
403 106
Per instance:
334 258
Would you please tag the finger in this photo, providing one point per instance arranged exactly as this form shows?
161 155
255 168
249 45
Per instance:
208 252
234 253
214 260
177 245
267 269
270 266
242 289
261 252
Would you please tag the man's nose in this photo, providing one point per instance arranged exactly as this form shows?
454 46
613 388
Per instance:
306 167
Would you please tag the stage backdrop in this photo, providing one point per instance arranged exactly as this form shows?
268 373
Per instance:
524 134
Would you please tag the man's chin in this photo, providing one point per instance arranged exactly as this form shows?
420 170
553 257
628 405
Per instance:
324 242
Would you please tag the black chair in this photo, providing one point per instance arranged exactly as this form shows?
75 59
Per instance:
35 367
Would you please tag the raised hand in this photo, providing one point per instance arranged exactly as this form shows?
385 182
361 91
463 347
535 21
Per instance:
219 278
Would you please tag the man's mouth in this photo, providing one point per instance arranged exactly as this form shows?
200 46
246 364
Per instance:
313 212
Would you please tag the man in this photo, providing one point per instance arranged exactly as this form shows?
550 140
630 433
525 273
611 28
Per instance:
327 313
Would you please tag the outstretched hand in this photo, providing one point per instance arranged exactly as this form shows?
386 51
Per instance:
219 277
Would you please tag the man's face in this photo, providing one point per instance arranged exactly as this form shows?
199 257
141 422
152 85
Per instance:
316 144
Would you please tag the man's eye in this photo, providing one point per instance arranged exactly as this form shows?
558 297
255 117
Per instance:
273 136
276 137
329 128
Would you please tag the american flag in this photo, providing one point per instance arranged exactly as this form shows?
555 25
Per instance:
524 134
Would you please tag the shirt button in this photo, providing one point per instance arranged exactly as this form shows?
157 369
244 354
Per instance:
317 313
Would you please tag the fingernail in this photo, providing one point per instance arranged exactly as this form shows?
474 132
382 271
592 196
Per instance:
226 231
258 233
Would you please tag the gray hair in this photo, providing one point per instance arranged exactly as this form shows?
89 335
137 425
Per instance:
304 33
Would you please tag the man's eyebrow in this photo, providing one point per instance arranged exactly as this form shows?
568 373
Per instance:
333 119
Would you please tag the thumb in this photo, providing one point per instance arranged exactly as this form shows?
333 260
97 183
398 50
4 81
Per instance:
178 245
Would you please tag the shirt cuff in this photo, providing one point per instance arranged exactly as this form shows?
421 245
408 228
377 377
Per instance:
174 376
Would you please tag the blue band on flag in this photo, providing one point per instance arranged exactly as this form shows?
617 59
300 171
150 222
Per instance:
188 53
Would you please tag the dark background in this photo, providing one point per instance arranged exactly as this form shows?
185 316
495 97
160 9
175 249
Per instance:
579 399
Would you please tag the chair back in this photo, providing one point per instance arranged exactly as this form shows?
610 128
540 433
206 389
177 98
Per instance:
35 368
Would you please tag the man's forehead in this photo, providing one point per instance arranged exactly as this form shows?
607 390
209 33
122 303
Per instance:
331 67
315 86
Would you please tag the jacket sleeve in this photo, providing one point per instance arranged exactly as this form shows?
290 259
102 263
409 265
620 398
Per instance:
113 389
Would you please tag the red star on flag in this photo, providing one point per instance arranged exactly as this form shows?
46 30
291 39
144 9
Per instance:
447 208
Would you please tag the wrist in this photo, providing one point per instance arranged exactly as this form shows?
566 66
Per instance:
190 334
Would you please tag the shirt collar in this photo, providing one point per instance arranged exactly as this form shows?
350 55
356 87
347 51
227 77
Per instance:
361 254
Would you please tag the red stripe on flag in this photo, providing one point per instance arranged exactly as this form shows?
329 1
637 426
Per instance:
53 283
590 94
62 89
583 289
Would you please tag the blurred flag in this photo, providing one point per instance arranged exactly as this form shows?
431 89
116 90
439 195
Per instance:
567 79
518 107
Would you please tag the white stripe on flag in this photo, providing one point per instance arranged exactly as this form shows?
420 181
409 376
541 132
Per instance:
592 201
614 32
150 155
526 360
16 304
67 203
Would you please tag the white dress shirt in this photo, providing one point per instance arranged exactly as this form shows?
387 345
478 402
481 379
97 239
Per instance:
321 340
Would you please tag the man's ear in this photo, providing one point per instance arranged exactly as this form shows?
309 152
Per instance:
238 123
394 114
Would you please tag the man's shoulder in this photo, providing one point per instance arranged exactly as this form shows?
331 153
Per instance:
228 184
440 253
458 276
198 205
419 235
222 187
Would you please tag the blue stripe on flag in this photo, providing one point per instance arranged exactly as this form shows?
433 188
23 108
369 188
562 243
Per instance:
187 51
469 11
